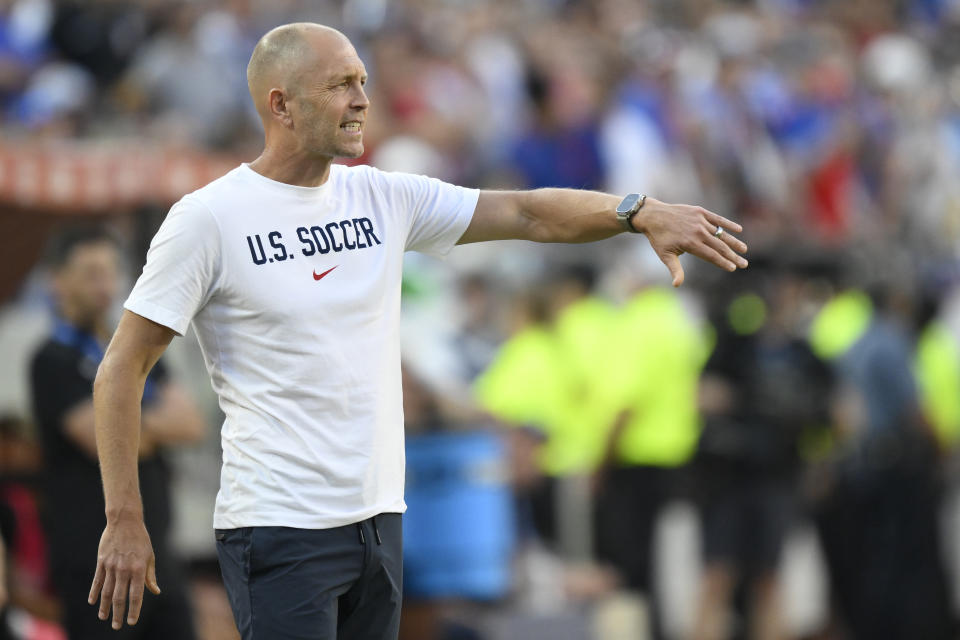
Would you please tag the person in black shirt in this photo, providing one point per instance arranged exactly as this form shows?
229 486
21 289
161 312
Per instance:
85 282
761 390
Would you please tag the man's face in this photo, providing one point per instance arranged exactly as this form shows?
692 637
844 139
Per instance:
87 283
329 106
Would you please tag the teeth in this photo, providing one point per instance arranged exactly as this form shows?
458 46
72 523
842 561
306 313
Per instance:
352 127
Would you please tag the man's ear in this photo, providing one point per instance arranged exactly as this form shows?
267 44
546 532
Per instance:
279 109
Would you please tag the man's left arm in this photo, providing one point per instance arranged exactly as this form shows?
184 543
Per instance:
569 215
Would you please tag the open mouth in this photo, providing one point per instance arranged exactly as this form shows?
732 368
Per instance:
351 127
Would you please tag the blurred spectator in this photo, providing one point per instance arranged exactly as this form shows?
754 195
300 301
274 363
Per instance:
879 523
937 366
4 594
170 74
85 263
478 337
102 37
20 463
526 385
54 100
548 376
24 28
459 530
654 361
760 390
561 147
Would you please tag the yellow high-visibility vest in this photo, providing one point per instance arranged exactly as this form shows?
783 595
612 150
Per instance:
660 353
554 379
522 385
840 323
937 367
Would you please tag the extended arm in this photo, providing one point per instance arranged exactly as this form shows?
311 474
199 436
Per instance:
568 215
125 560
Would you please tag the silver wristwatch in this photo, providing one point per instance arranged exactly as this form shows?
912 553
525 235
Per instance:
628 207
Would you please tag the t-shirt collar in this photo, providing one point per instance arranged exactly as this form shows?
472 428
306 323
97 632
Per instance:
311 192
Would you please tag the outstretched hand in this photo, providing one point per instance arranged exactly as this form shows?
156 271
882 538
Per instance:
674 229
125 563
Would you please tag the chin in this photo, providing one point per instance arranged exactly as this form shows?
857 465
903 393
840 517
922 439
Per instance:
353 151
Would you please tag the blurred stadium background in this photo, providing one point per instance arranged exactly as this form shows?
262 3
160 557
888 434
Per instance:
767 454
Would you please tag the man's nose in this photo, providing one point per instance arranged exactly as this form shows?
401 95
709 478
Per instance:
360 100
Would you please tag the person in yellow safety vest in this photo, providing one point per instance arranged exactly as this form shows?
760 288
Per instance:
526 383
654 433
658 424
551 376
583 330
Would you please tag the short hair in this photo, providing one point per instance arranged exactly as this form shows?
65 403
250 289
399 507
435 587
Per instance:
69 240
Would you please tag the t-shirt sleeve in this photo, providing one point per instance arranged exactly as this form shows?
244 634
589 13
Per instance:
183 263
436 213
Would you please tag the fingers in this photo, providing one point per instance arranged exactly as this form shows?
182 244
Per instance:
734 242
106 594
719 221
691 229
718 253
728 254
136 600
152 576
116 585
97 585
673 264
119 598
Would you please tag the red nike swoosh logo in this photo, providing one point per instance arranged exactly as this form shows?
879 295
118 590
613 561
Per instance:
317 276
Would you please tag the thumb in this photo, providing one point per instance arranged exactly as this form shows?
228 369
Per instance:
673 264
152 577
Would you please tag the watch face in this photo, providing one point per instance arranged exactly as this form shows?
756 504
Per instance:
628 203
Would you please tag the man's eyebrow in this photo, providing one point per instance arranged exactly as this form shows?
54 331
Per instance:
349 76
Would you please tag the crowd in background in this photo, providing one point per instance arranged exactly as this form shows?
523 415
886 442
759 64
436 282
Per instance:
820 386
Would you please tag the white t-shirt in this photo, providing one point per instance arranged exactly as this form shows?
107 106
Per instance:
294 293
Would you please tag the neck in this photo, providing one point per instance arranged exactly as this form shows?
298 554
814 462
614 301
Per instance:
292 167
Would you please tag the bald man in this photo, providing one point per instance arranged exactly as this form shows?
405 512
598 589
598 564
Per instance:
289 270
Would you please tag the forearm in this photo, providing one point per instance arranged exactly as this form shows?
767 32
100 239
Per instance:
570 215
116 400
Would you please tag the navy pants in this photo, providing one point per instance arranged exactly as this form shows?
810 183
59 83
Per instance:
317 584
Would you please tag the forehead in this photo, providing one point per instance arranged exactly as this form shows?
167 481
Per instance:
335 57
346 65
